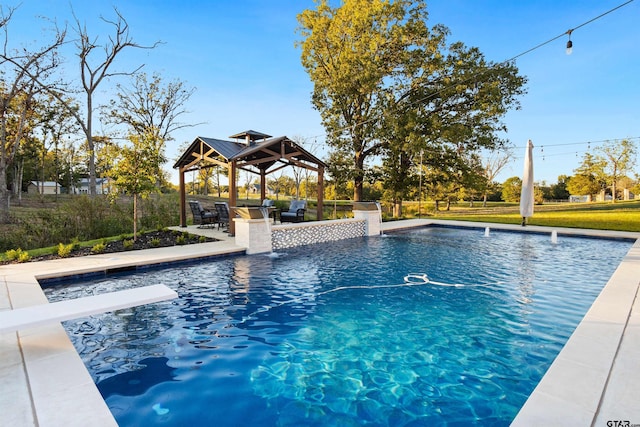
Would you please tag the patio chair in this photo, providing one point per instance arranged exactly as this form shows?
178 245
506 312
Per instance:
295 212
203 217
223 215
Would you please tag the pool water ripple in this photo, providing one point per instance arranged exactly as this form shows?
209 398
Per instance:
328 337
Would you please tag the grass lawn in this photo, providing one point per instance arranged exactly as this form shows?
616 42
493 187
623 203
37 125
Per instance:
620 216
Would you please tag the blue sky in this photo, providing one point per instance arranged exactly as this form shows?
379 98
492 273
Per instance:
240 57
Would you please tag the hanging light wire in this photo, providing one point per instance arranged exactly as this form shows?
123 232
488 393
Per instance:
588 143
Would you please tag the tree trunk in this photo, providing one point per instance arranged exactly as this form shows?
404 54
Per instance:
397 208
357 189
613 184
18 181
358 180
135 217
484 200
5 194
91 147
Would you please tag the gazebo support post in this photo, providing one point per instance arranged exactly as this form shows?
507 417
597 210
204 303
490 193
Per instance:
320 193
183 203
233 199
263 185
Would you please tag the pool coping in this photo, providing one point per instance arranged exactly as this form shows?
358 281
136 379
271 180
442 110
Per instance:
593 379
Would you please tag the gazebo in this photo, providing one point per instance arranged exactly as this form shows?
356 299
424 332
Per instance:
252 151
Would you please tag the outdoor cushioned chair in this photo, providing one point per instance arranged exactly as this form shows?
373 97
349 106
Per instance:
223 215
203 217
295 212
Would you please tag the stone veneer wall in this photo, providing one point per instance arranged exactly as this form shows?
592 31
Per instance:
324 231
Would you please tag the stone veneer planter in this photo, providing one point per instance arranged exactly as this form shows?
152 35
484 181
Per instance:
259 236
290 235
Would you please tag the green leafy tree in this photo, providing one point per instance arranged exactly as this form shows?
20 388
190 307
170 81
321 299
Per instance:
559 190
135 172
473 180
339 172
635 188
538 195
589 178
21 70
385 83
618 158
436 185
401 177
348 51
511 189
580 185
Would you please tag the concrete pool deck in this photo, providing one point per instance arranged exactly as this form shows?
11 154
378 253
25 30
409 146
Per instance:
593 380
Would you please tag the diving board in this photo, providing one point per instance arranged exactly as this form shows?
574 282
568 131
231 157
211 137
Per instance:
36 315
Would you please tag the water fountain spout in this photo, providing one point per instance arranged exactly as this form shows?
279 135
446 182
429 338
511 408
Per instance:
380 217
265 214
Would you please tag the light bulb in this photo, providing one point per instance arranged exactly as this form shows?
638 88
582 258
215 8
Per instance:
569 47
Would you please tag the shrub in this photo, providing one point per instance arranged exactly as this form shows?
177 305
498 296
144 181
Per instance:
13 254
24 256
128 244
155 242
65 250
181 240
85 218
202 239
98 248
75 243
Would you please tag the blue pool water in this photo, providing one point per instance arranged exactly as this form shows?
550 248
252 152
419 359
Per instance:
332 335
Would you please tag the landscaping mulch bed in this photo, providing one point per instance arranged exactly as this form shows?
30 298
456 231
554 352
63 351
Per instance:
150 240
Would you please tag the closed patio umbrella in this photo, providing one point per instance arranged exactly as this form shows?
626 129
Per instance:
526 197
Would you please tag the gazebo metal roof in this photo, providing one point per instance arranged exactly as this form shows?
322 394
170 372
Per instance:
263 155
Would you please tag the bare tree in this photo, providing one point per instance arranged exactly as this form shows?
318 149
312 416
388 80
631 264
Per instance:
21 70
300 173
93 73
493 165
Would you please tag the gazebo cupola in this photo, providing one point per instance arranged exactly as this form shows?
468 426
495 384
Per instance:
250 136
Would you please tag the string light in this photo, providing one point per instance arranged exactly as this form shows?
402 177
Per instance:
588 143
569 43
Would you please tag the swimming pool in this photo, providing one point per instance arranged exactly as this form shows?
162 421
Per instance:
324 335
